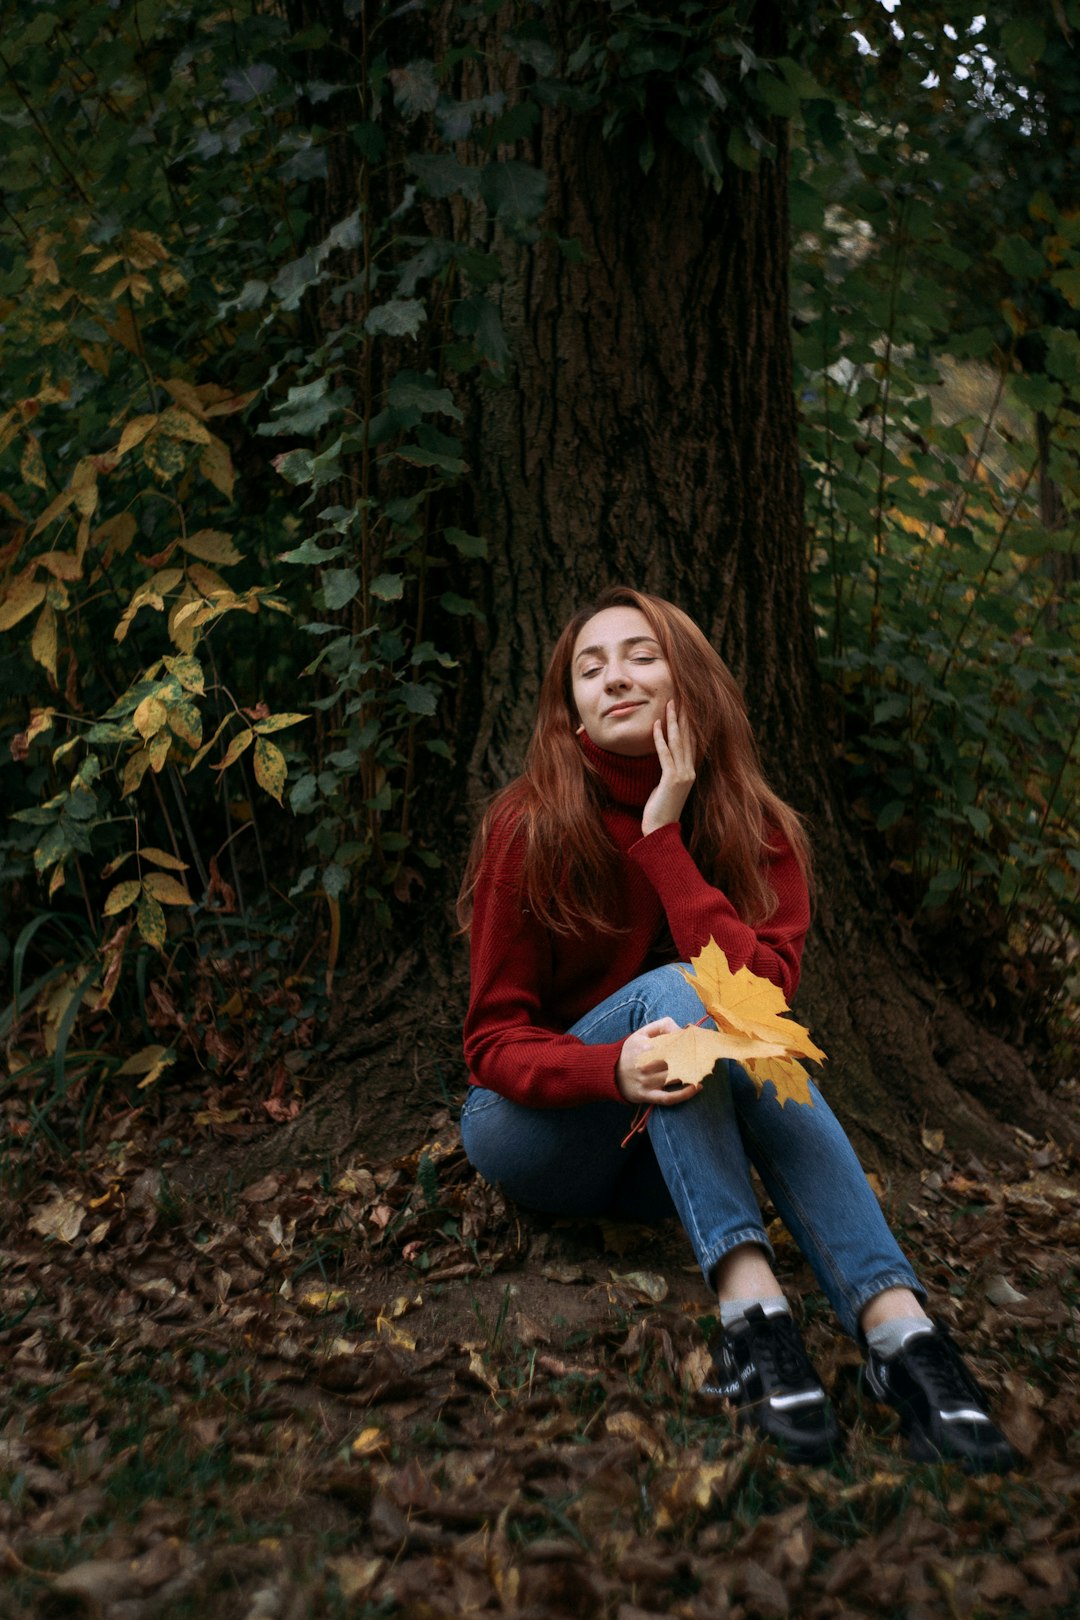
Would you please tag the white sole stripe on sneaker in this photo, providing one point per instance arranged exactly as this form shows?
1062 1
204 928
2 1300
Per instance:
810 1397
964 1414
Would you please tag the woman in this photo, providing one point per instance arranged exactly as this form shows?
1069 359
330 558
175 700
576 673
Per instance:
642 827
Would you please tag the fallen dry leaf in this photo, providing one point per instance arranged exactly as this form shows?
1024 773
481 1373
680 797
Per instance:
356 1576
260 1192
628 1426
98 1581
648 1283
61 1218
367 1442
1000 1291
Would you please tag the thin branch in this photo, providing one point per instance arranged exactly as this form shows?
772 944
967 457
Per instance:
43 131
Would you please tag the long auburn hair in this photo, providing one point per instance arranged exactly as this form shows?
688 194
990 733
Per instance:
570 866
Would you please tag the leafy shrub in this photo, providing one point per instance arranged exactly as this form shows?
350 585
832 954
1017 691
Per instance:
947 603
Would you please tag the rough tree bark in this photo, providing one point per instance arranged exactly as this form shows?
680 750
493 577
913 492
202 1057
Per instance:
648 435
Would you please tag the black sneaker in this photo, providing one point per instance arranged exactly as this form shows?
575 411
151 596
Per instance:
942 1409
760 1365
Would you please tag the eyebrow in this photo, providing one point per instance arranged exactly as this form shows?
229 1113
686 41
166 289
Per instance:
631 641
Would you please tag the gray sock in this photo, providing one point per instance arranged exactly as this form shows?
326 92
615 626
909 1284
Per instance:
733 1310
890 1337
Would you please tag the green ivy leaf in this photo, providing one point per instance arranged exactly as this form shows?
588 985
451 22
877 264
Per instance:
339 586
777 95
1023 42
312 552
54 846
368 136
532 45
740 151
335 880
459 605
467 545
1039 393
513 190
420 699
478 318
416 89
1020 258
417 456
401 317
411 389
441 175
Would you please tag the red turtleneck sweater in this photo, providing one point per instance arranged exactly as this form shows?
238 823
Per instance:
529 986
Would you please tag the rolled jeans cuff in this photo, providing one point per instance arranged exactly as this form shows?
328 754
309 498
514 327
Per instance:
861 1298
715 1252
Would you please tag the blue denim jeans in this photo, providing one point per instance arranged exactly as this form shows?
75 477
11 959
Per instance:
695 1161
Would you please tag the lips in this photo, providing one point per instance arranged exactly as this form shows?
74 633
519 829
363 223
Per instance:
624 708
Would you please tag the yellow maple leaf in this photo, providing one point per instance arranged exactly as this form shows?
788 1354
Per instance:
691 1054
743 1003
788 1076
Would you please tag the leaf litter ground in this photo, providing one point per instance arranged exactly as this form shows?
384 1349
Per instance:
378 1391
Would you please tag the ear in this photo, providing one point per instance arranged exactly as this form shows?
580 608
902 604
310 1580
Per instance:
580 732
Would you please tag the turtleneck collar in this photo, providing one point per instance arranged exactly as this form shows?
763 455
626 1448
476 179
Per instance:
629 779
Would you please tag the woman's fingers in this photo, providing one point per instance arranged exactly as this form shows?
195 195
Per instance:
663 1096
674 749
641 1076
659 1026
678 741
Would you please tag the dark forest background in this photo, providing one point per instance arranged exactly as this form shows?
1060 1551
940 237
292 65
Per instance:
347 348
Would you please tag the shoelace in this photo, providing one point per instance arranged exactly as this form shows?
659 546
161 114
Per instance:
944 1374
779 1348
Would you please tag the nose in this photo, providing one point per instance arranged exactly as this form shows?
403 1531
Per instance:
616 676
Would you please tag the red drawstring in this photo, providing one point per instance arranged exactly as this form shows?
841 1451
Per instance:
639 1122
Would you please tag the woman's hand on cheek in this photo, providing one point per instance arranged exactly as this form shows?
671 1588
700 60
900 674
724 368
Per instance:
641 1077
675 749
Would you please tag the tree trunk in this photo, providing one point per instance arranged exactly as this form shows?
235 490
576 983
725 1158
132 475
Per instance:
648 435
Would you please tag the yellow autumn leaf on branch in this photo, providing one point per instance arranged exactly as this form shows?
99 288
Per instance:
123 895
161 857
135 431
43 644
212 546
166 889
278 722
150 716
270 767
188 672
61 564
744 1003
150 921
235 749
21 598
216 466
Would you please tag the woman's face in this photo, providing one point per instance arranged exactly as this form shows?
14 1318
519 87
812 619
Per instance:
621 681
